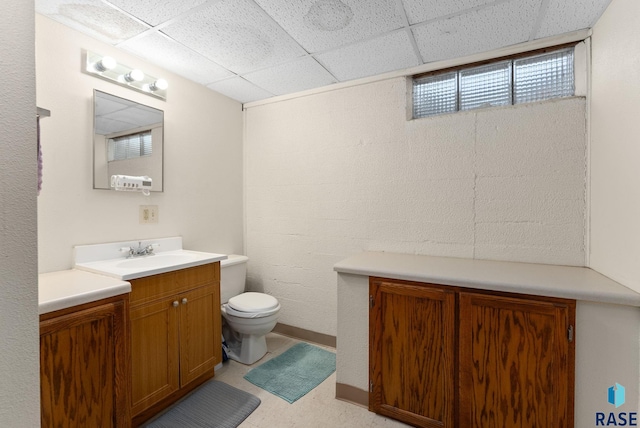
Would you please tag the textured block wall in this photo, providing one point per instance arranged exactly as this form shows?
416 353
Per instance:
337 173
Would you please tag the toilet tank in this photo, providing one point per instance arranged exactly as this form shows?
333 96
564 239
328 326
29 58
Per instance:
233 274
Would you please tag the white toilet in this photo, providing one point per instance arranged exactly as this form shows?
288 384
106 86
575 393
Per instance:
249 316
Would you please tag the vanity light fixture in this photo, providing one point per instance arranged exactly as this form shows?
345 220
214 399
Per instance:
107 68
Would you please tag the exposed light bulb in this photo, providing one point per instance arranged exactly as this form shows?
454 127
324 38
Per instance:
106 63
159 84
134 75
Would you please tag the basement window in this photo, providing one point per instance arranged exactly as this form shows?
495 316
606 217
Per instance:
130 146
515 80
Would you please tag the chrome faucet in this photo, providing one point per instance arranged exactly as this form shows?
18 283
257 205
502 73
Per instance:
140 251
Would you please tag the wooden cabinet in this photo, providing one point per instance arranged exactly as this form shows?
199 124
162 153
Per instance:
412 353
175 336
444 356
516 361
84 365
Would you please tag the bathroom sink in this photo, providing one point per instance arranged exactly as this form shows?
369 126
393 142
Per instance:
156 260
138 267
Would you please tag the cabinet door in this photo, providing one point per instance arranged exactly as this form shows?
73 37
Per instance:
411 352
197 326
84 368
516 362
154 352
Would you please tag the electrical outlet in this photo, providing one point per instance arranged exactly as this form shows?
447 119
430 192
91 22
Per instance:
148 214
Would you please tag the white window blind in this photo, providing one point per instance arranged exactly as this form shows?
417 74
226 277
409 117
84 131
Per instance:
504 82
130 146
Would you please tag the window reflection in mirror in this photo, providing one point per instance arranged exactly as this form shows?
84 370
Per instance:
127 139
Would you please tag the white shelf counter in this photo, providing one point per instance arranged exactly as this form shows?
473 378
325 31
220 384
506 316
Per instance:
567 282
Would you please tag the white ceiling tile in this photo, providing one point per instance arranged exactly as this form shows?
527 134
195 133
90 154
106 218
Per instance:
165 52
320 25
240 90
291 77
268 42
154 12
236 34
426 10
480 30
391 52
93 18
562 16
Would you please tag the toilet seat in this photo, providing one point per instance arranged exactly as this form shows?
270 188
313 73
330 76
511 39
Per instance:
252 305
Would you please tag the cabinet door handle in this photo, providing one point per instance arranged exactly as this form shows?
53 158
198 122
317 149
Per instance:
184 300
175 304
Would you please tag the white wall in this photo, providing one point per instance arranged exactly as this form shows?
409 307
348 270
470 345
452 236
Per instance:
202 199
340 172
19 363
615 147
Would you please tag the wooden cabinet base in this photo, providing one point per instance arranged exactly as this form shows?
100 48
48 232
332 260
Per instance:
446 356
175 335
84 365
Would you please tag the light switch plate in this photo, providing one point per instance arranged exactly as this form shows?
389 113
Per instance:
148 214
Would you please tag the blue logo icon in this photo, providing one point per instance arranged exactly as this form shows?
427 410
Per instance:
616 395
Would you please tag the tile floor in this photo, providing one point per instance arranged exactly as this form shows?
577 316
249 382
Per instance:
318 409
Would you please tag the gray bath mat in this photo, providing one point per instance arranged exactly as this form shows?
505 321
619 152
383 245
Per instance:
214 405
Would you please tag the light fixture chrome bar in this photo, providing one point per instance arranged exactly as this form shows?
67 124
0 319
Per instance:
106 67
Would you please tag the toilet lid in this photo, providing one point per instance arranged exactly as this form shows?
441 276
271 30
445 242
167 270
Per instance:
253 302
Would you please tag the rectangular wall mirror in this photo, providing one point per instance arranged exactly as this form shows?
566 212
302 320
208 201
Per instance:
128 139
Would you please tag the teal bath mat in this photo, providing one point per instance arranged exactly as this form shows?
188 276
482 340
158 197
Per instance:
295 372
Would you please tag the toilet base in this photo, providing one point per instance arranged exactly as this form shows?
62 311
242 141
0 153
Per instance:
244 348
249 349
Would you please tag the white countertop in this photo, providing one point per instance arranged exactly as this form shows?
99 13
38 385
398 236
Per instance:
109 258
67 288
568 282
101 271
161 262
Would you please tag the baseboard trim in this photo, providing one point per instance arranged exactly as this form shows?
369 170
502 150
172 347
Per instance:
306 335
352 394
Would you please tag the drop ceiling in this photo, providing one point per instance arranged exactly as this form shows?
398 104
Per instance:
251 50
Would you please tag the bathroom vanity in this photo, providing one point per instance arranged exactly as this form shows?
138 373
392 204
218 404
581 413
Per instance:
458 342
123 338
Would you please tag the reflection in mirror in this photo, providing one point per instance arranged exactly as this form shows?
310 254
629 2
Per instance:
127 139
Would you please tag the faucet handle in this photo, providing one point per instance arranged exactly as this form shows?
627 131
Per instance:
128 250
